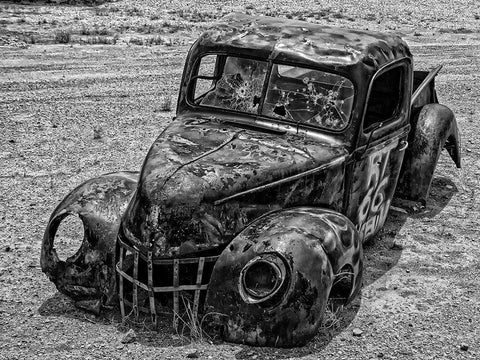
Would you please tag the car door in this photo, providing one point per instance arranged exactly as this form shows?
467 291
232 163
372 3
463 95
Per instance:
381 145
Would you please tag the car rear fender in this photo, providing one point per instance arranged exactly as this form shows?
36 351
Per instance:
88 276
433 128
310 249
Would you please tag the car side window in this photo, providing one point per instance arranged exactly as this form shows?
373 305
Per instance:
385 100
206 76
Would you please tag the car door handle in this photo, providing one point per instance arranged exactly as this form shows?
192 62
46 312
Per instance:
403 145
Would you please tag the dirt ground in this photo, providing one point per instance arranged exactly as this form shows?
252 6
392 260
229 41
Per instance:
71 110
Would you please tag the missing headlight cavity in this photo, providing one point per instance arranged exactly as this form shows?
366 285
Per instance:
262 278
69 237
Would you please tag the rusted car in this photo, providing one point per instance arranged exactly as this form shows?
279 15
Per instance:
251 207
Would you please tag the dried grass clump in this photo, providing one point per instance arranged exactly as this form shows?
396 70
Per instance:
165 103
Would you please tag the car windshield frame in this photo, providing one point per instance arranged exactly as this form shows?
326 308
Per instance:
285 92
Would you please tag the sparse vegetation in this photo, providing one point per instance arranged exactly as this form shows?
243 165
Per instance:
190 326
96 40
165 103
62 36
103 31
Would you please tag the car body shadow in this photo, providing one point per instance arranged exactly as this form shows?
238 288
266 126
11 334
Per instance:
145 333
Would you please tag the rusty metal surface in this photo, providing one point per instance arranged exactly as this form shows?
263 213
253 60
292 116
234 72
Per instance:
301 42
434 127
195 163
88 276
315 245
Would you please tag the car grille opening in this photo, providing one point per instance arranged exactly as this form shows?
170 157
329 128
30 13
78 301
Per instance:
157 285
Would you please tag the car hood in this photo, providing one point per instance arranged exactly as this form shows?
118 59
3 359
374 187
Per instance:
203 180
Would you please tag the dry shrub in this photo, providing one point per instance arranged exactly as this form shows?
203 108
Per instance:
62 36
77 2
107 40
95 31
149 41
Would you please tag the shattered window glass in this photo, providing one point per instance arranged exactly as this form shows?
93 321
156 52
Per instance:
309 96
239 87
293 93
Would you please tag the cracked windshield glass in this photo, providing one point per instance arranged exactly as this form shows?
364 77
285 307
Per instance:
294 93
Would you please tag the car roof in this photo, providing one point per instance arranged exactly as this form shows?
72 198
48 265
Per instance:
297 41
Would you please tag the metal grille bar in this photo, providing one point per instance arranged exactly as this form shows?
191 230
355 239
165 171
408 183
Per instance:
176 308
196 300
151 294
135 288
120 284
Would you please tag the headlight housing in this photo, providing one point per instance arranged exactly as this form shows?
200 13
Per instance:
263 278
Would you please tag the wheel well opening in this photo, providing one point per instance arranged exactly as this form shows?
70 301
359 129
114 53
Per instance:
342 287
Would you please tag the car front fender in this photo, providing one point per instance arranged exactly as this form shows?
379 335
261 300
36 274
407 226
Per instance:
310 249
88 276
434 128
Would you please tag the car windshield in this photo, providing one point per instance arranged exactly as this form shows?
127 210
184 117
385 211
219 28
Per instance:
293 93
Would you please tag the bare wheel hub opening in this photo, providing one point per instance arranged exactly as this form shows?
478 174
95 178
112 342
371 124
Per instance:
342 287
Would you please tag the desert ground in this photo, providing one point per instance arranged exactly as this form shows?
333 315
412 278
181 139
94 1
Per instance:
85 89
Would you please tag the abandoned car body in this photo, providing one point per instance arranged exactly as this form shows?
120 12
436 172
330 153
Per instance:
253 204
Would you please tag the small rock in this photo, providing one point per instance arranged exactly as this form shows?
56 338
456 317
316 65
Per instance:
357 332
129 337
464 347
407 271
97 133
193 355
398 209
380 355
